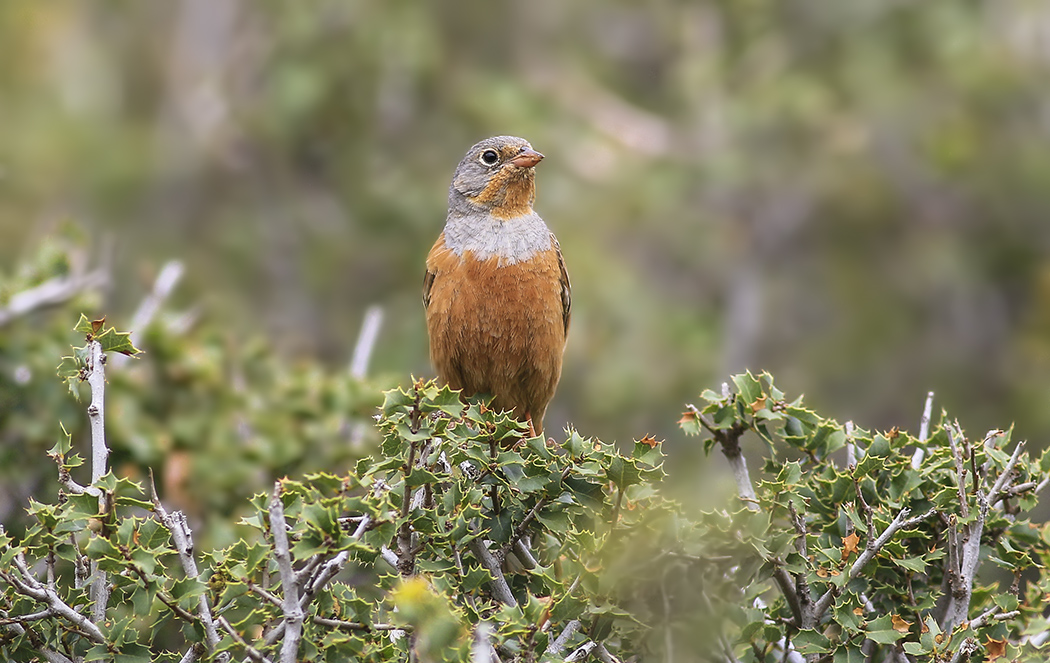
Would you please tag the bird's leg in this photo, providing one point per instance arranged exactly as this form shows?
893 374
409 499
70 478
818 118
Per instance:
532 428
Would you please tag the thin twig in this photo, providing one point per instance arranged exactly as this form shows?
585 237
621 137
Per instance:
163 286
871 549
924 432
581 652
787 588
96 379
992 614
356 626
194 653
29 586
557 646
366 340
1004 476
481 650
499 587
328 570
252 652
22 619
520 529
603 654
293 612
729 440
50 292
960 466
262 593
181 534
50 655
851 446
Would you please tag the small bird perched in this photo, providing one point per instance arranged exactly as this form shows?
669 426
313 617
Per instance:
496 291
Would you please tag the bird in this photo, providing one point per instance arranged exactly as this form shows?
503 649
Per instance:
496 292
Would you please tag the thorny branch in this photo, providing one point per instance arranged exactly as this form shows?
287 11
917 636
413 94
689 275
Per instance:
181 534
252 652
293 612
322 572
924 432
964 543
163 286
729 440
22 579
500 588
557 646
96 379
50 292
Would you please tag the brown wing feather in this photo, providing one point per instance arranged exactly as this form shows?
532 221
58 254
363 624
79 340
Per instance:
566 288
428 283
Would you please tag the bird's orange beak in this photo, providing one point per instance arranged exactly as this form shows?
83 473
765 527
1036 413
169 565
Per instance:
527 159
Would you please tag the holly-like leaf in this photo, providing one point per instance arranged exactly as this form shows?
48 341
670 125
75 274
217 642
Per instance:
849 545
690 423
995 649
899 624
883 631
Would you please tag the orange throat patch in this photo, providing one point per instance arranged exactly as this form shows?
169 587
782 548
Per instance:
509 193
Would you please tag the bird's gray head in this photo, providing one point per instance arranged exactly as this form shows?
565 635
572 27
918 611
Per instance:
496 176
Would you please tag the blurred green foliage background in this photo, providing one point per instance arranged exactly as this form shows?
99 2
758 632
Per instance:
853 195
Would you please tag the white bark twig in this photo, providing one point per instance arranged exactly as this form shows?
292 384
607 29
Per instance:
1001 484
252 652
366 340
324 575
50 292
871 549
787 588
293 612
603 654
992 614
729 441
481 650
965 650
851 446
22 579
194 653
96 379
389 556
957 442
499 587
557 646
183 539
965 550
13 625
924 432
163 286
582 652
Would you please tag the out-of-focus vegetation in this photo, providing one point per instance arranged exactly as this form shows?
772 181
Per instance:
852 194
216 417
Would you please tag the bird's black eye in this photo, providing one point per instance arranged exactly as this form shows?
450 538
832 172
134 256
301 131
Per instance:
489 157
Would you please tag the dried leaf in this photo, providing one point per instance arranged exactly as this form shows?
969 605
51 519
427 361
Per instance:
995 648
899 624
849 545
650 441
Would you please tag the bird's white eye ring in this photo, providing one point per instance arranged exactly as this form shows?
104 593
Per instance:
489 157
